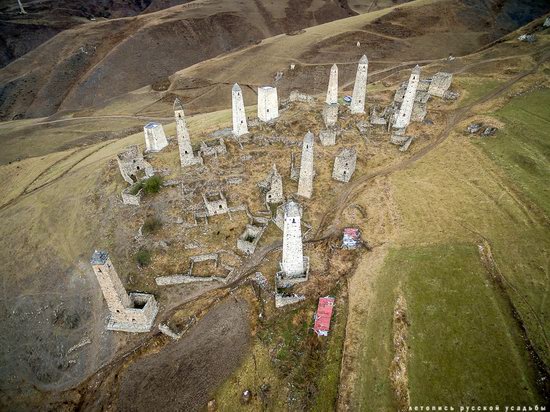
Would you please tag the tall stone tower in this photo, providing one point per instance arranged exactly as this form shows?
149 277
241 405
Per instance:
293 256
332 91
404 116
129 313
240 126
155 139
360 87
184 141
268 104
305 184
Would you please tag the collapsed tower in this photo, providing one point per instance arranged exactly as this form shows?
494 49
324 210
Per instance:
272 186
134 312
240 126
305 184
360 87
155 139
344 164
332 91
404 116
184 141
268 103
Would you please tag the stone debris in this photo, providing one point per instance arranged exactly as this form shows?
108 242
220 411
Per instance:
376 119
294 171
398 139
441 82
529 38
489 131
327 137
451 95
362 126
284 300
344 165
260 279
85 341
474 128
546 22
419 112
165 329
129 198
406 145
296 96
181 279
215 147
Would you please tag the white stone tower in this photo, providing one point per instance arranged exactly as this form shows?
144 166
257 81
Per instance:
129 313
305 184
155 139
360 87
184 141
332 91
404 115
293 256
268 104
240 126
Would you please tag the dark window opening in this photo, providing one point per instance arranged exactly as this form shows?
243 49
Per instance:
293 220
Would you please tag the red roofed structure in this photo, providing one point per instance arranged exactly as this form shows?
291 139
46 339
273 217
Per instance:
323 315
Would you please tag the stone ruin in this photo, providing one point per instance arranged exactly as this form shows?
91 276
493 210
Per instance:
268 103
191 277
134 312
155 139
344 164
215 147
330 114
332 90
376 119
307 172
360 87
252 234
132 165
272 187
297 96
328 137
440 84
215 203
187 158
240 126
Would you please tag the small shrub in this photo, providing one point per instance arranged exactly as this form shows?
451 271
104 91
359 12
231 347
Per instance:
136 187
143 257
152 184
151 225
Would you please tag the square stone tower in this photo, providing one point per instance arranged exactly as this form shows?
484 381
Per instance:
272 186
344 164
330 114
240 126
293 264
404 116
134 312
360 87
332 91
184 141
155 139
305 184
268 104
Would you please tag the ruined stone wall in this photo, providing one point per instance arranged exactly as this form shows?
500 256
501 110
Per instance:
275 192
268 103
330 114
327 137
440 84
132 166
215 203
155 139
344 164
240 126
293 257
332 91
404 116
360 87
305 183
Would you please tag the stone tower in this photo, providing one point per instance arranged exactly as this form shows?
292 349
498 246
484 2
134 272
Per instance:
239 116
305 184
293 256
360 87
268 104
332 91
272 186
404 116
155 139
184 141
129 313
344 164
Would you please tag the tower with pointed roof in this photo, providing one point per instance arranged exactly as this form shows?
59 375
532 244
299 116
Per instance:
240 126
404 115
360 87
332 91
187 158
